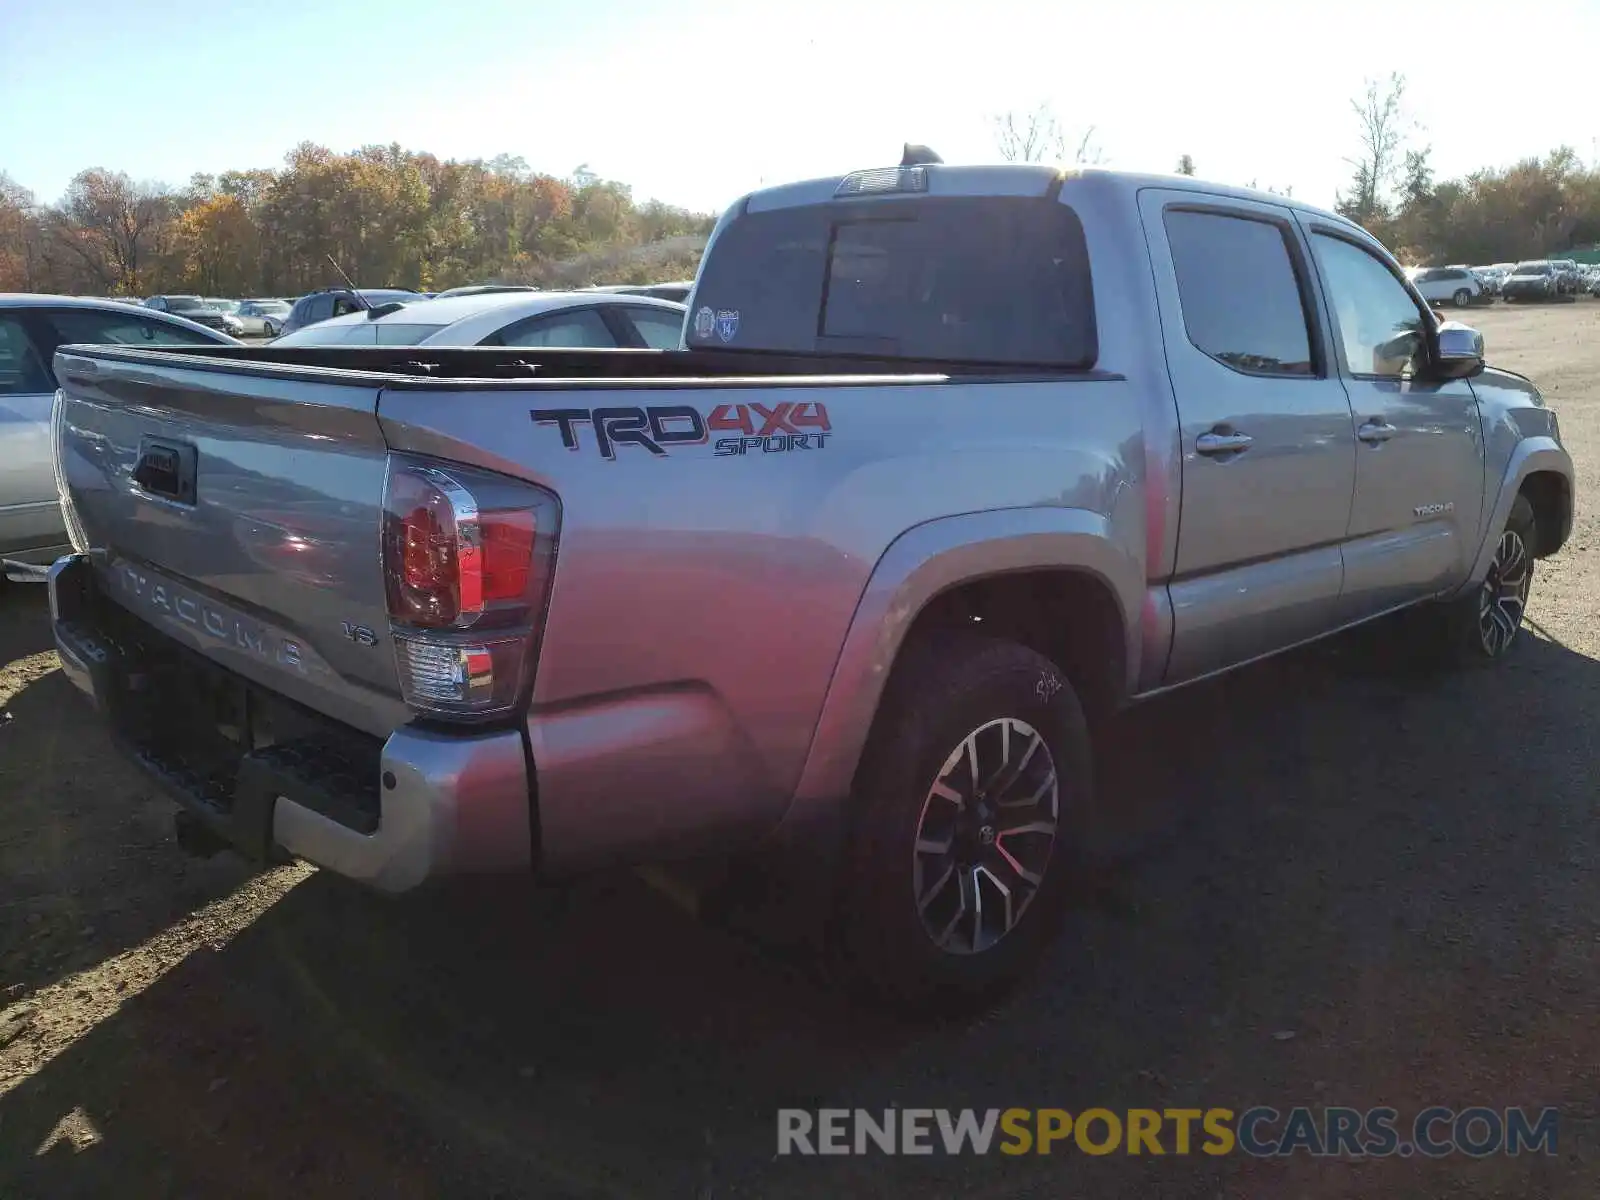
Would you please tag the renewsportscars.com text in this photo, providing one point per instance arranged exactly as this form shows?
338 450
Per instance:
1260 1131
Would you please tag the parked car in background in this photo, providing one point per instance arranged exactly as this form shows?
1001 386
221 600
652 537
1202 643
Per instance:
31 327
231 325
1492 278
574 319
1458 285
327 303
262 318
678 291
1535 280
483 289
191 308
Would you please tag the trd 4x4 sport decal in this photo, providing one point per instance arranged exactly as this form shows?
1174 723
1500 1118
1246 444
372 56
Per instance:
762 429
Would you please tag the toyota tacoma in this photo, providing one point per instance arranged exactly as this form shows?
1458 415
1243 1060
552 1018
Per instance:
952 461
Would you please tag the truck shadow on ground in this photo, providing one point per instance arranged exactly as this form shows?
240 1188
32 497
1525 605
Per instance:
88 866
1337 880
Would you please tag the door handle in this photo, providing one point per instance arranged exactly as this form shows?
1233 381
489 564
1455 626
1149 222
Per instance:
1375 433
1214 443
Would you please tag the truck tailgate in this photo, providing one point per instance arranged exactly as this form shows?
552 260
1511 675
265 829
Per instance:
238 509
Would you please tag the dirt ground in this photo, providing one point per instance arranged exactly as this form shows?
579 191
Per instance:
1343 883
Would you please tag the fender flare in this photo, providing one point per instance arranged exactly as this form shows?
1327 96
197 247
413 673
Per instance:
919 565
1532 455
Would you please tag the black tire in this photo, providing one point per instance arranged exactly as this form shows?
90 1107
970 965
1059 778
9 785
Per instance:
1469 634
945 691
1462 298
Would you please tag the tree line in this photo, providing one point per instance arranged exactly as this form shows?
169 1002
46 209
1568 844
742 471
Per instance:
388 216
396 217
1537 208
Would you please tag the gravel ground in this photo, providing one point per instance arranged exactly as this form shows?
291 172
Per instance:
1353 884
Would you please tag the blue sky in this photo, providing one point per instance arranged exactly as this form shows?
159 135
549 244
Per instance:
696 103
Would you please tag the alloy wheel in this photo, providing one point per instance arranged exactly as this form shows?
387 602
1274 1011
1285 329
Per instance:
985 836
1504 597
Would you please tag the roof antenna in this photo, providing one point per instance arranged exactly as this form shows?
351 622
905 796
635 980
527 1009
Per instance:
918 156
365 303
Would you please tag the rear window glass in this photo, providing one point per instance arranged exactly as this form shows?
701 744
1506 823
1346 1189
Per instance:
979 280
390 333
359 333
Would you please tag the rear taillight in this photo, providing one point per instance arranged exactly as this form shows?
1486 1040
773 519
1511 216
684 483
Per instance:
467 559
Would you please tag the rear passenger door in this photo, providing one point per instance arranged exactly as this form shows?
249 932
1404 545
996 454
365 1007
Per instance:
1268 448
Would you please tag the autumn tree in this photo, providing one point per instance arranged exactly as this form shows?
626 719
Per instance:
115 228
220 246
20 236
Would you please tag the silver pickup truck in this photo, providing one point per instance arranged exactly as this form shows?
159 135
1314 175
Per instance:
953 459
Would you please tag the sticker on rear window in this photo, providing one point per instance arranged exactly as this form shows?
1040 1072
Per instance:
705 322
727 323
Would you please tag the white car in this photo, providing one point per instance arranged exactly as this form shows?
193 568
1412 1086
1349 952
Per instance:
1458 285
593 320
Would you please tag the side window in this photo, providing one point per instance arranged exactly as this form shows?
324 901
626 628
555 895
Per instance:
343 305
660 329
1241 299
581 328
1379 325
318 308
109 328
22 370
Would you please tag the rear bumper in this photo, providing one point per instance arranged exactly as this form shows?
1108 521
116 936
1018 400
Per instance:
420 805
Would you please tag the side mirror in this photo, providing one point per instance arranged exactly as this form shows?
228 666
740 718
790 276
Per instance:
1458 351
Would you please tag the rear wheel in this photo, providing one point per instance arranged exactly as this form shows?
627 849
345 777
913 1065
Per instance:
967 812
1462 298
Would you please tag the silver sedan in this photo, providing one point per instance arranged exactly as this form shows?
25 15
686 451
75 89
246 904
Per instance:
31 327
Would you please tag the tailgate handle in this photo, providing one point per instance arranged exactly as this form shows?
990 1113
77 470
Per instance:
166 469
